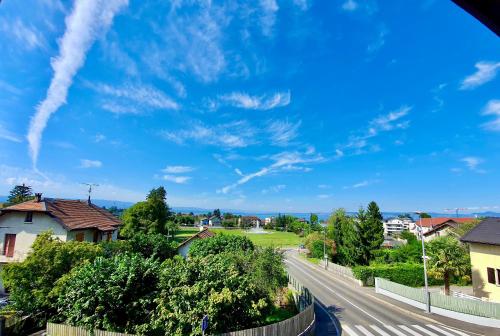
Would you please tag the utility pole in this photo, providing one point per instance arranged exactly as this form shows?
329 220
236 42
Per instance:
90 185
424 257
324 249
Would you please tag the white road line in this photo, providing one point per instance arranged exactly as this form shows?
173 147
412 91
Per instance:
339 295
444 332
405 328
394 330
455 331
349 330
380 331
430 333
364 330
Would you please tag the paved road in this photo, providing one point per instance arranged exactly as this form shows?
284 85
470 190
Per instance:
361 313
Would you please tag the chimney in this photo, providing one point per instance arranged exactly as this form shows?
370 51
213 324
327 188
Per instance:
88 201
38 197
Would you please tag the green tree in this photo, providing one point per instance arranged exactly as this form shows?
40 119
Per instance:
152 245
314 243
371 231
313 219
350 251
447 258
462 228
115 294
424 215
19 194
31 282
217 213
149 216
220 243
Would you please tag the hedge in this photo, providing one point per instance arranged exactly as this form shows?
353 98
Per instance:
404 273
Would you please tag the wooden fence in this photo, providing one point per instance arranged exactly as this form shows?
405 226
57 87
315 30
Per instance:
54 329
300 324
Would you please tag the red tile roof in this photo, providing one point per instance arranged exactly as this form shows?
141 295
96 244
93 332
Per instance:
71 214
200 235
432 222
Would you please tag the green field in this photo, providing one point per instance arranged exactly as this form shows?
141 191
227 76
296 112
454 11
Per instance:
273 238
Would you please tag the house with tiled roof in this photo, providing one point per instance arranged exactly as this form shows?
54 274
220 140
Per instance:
484 249
68 219
183 248
429 224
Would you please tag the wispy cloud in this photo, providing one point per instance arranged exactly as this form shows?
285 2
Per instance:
268 16
362 184
486 71
236 134
350 5
324 196
379 40
263 102
143 95
282 132
4 86
176 178
177 169
8 135
87 21
120 58
84 163
279 163
28 37
274 189
383 123
302 4
492 108
119 109
473 163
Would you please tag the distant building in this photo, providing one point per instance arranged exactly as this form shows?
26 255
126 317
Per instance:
484 246
20 224
429 224
183 248
247 221
394 226
445 228
211 221
268 220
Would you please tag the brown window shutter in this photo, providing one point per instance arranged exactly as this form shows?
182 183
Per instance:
80 236
491 275
96 236
9 244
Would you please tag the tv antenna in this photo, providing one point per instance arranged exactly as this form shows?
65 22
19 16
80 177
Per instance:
90 185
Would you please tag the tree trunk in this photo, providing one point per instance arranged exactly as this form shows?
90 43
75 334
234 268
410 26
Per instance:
446 278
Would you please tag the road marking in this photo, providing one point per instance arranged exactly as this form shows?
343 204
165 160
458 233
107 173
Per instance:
349 330
380 331
444 332
339 295
430 333
405 328
456 331
364 330
394 330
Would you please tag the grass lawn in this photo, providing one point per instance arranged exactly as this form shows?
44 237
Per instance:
273 238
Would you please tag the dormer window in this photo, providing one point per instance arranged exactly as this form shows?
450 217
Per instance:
29 217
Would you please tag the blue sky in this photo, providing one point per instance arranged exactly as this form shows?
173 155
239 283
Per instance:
284 105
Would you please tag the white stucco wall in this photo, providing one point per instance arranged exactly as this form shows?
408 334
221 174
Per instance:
26 233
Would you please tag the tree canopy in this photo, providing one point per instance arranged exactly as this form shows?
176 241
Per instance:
19 194
220 243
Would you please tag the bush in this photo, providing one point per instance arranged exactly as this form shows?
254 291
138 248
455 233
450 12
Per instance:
114 294
314 243
220 243
405 274
152 245
31 282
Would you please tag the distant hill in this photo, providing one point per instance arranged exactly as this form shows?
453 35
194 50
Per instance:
263 214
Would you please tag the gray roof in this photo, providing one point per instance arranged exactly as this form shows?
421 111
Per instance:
486 232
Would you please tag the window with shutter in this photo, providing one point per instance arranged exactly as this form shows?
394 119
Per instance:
9 244
491 275
29 217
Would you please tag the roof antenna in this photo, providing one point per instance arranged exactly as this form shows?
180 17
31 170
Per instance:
90 185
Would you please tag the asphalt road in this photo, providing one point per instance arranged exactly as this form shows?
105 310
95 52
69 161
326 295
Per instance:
362 313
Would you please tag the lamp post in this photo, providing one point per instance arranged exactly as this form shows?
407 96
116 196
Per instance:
424 257
324 249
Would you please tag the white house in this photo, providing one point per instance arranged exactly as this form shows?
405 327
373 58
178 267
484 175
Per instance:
183 248
394 226
211 221
68 219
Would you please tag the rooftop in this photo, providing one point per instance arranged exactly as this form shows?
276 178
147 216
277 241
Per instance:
486 232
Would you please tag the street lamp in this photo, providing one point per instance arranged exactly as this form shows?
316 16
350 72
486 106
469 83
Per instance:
324 249
424 257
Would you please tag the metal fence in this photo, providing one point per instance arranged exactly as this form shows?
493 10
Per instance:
460 305
54 329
